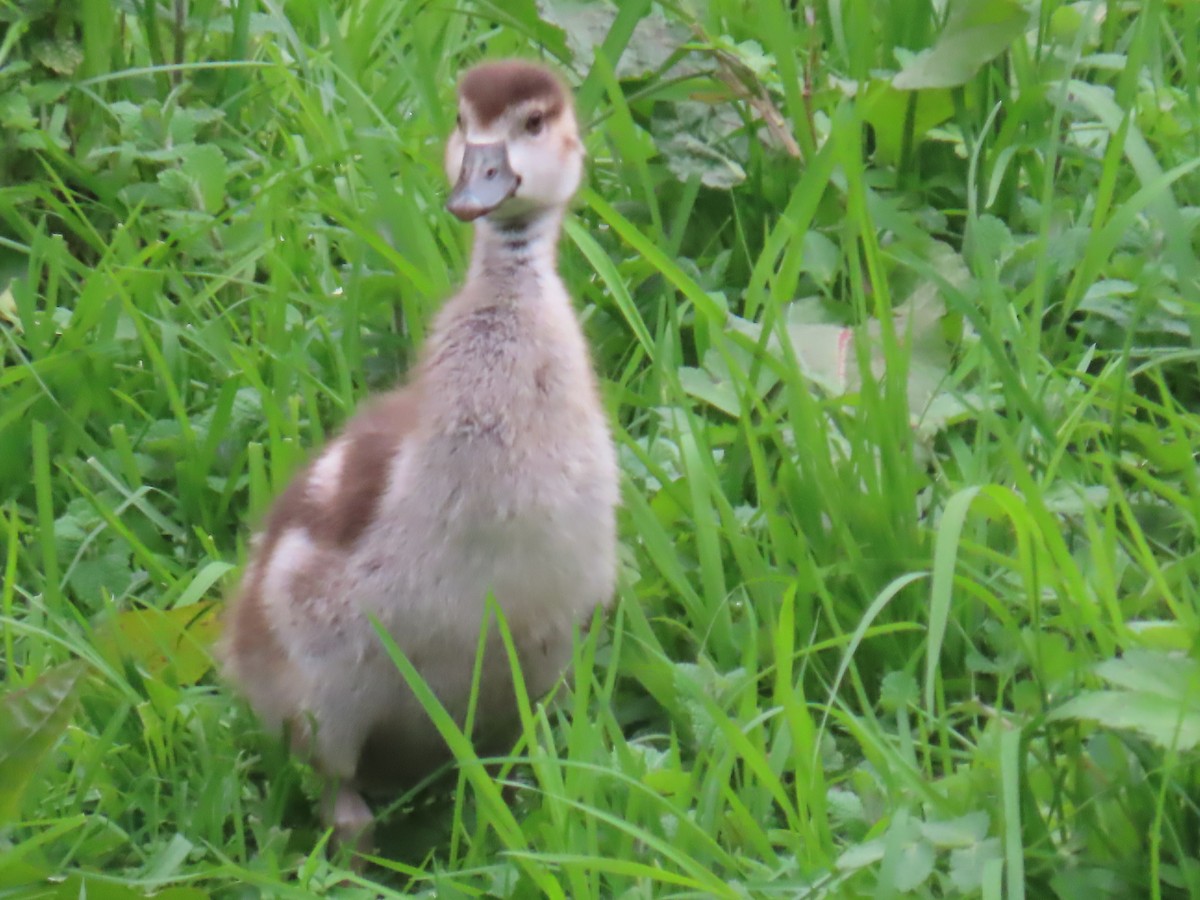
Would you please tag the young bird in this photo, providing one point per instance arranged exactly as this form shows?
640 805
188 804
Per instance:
493 471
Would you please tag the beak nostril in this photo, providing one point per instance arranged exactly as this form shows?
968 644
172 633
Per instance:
485 180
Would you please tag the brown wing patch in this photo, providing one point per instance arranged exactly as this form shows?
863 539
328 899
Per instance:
291 509
492 87
371 440
251 650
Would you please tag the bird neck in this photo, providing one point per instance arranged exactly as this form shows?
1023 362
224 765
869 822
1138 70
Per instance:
516 250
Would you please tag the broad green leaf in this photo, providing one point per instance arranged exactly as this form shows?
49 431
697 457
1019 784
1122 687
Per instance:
976 32
886 109
704 385
1144 670
822 258
1161 698
961 832
859 856
31 721
20 873
1162 634
828 352
1164 720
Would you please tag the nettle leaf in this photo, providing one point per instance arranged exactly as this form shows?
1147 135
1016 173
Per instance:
704 141
207 171
898 690
14 68
844 806
108 573
913 866
127 114
16 113
245 415
47 91
186 122
1110 298
585 25
700 686
976 32
688 157
31 721
860 856
154 196
967 864
61 55
72 527
1158 696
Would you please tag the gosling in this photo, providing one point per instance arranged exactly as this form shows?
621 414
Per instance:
492 472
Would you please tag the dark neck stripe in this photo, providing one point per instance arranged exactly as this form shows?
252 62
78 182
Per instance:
515 237
510 227
512 246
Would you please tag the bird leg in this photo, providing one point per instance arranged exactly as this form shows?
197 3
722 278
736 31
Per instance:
345 811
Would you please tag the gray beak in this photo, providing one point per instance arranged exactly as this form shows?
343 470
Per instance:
485 182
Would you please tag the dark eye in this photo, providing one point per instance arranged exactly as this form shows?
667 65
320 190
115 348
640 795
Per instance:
458 121
533 125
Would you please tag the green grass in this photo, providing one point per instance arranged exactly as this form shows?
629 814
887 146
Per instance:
907 420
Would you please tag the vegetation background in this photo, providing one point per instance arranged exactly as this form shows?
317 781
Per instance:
897 303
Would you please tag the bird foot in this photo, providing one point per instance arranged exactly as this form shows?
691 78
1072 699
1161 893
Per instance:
347 813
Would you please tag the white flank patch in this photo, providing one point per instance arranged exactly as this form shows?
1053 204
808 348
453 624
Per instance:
400 476
292 552
325 479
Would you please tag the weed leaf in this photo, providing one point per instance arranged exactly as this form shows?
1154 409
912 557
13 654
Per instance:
159 640
31 721
975 34
1158 696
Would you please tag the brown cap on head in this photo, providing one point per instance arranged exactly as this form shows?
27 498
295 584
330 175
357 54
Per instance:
492 87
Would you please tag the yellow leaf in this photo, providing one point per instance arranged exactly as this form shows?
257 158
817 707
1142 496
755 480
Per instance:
156 640
8 308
